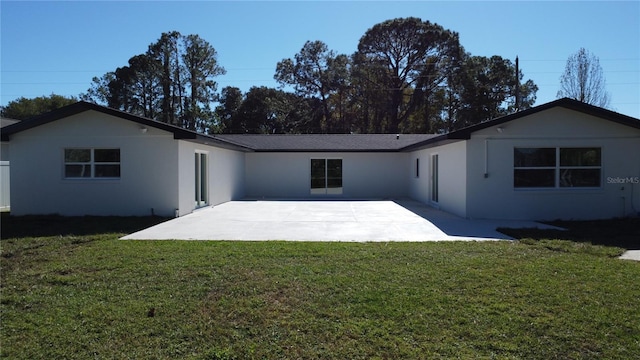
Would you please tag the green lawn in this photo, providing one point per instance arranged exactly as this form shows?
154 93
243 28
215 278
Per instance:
89 295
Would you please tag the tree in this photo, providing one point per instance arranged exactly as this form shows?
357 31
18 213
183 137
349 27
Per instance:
172 82
315 71
225 113
146 85
368 95
134 88
410 58
99 92
583 79
485 89
201 65
166 51
23 108
264 110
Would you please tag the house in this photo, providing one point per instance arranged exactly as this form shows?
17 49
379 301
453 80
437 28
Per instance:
560 160
563 159
5 190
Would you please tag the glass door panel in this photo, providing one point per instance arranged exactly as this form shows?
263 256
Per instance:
201 183
434 178
326 176
334 176
318 176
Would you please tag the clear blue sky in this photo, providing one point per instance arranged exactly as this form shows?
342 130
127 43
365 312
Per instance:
58 47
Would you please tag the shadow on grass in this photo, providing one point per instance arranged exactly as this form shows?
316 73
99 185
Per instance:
54 225
623 233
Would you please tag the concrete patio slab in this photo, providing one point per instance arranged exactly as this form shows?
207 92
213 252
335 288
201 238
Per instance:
359 221
631 255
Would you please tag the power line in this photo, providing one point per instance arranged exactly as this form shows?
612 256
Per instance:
553 60
254 80
607 84
106 71
560 72
44 83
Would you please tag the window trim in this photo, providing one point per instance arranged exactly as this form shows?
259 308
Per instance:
92 163
557 169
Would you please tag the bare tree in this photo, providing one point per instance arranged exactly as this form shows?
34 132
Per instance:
583 80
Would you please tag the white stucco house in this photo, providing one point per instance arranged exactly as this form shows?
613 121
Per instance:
560 160
5 192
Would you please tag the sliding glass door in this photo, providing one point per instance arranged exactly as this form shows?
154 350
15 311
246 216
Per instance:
201 183
434 178
326 176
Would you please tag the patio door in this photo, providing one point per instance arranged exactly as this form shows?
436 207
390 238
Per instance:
434 178
326 176
201 183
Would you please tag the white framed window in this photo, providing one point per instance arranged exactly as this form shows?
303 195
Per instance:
89 163
557 167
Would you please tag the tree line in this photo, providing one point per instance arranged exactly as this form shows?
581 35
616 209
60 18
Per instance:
406 76
172 82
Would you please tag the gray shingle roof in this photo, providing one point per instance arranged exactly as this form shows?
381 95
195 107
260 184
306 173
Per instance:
265 143
326 142
319 142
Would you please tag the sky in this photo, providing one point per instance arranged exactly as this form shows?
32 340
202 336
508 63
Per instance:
59 46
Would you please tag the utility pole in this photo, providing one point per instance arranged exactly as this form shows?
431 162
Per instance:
517 107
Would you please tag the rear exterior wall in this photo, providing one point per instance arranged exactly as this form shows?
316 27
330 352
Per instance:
491 191
287 175
225 175
149 169
451 177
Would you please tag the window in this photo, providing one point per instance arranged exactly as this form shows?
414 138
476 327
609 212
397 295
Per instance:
534 167
92 163
580 167
556 167
417 167
326 176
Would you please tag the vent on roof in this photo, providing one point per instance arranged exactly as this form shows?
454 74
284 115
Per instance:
397 136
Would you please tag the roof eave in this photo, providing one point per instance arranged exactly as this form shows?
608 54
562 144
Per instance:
82 106
433 142
213 141
302 150
465 133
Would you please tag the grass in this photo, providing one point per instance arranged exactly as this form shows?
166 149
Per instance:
88 295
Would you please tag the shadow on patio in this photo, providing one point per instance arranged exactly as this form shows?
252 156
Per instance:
453 225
